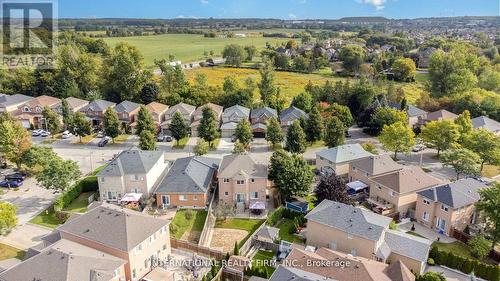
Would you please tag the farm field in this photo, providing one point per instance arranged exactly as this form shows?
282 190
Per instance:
185 47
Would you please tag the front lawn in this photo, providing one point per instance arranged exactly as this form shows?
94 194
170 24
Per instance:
120 139
491 171
185 225
250 225
264 258
85 139
215 144
286 231
47 218
181 143
79 205
458 248
8 252
317 144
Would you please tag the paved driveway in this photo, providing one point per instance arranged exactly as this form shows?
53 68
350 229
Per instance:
225 146
30 200
25 236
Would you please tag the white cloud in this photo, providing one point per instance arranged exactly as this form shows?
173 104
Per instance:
378 4
204 2
292 16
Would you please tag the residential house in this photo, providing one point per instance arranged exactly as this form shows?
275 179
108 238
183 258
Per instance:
74 104
483 122
138 238
337 159
198 114
291 273
344 266
10 103
188 183
442 114
131 171
230 119
95 111
68 260
127 111
259 118
290 115
374 165
398 190
416 116
30 113
449 205
186 111
360 232
157 111
242 181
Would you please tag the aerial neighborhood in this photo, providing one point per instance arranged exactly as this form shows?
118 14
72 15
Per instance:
195 148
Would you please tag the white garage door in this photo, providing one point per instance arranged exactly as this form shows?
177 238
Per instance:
26 123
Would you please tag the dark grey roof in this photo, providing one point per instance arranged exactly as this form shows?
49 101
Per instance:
98 105
257 112
483 122
8 100
292 113
238 110
350 219
268 232
344 153
131 162
408 245
457 194
411 110
189 175
243 164
294 274
113 226
126 106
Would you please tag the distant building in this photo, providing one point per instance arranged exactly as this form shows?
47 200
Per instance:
95 111
290 115
198 114
9 103
230 119
483 122
259 118
30 113
186 111
337 159
127 111
74 104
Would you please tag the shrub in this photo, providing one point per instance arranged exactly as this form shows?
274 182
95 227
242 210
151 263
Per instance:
173 228
274 217
430 261
480 246
88 184
393 225
188 214
62 216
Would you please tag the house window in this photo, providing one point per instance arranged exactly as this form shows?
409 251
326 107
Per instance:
26 109
252 180
254 195
134 273
183 198
444 208
240 182
226 193
379 187
146 263
353 252
333 245
102 179
349 236
195 197
425 216
426 202
226 180
111 195
366 174
116 272
354 168
164 247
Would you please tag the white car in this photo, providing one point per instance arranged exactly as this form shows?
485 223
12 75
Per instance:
66 135
100 134
36 133
45 134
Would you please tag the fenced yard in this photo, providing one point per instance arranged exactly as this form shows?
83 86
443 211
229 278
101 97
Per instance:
188 224
232 230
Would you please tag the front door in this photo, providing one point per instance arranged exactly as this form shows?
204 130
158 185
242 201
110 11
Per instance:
165 200
441 224
240 197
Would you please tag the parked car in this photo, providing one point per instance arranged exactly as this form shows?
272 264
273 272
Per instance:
104 141
11 183
100 134
418 148
233 138
66 135
19 176
163 138
347 134
36 133
45 134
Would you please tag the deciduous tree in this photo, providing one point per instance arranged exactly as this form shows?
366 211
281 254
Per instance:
314 126
404 69
334 132
58 174
8 219
333 188
440 135
111 124
244 133
290 174
234 54
397 137
352 57
201 147
52 121
296 138
463 160
488 206
486 144
14 140
274 133
464 125
80 126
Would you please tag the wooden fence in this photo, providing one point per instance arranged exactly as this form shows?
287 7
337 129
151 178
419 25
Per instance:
201 250
464 237
209 223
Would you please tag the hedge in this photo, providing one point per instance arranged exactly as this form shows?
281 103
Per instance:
88 184
466 265
281 212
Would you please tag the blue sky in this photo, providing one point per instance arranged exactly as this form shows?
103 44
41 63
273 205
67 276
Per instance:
283 9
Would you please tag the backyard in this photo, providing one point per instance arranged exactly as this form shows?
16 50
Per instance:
232 230
79 205
287 228
188 224
8 252
47 218
264 258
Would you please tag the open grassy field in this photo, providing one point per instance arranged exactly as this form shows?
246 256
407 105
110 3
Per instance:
186 47
290 83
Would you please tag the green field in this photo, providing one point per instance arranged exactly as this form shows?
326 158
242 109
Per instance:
186 47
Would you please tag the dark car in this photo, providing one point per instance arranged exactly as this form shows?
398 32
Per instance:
11 183
168 139
103 142
233 138
19 176
347 134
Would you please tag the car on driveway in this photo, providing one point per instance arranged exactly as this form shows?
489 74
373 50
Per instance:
66 135
100 134
19 176
11 183
45 134
164 138
36 133
104 141
418 148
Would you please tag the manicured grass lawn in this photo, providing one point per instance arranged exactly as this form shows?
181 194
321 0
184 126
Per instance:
491 171
8 252
181 144
79 205
187 47
85 139
215 144
286 227
458 248
121 139
196 223
249 225
261 256
422 77
47 218
316 144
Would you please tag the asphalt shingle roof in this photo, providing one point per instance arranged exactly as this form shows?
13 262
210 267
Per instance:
486 123
98 105
241 164
131 162
344 153
8 100
350 219
408 245
406 180
457 194
126 106
183 108
292 113
238 110
377 164
294 274
189 175
258 112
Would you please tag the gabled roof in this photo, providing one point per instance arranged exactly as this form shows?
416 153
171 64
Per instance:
113 226
241 164
183 108
43 101
76 102
483 122
294 274
441 115
411 110
229 126
397 271
65 260
126 106
189 175
267 111
98 105
377 164
460 193
268 232
407 180
131 162
344 153
238 110
408 245
8 100
350 219
156 107
292 113
216 108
